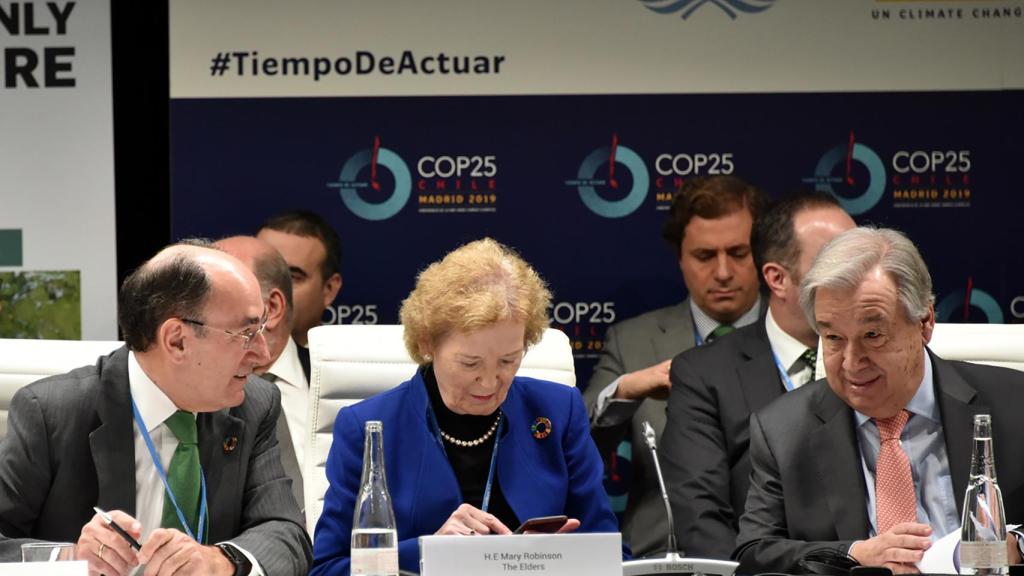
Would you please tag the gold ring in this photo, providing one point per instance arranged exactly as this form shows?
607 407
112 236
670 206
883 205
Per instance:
99 553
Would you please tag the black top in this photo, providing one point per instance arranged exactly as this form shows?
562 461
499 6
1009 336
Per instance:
471 464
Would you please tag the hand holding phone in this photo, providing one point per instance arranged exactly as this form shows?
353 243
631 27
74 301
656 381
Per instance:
542 524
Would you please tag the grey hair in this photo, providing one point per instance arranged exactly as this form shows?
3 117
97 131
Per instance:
849 257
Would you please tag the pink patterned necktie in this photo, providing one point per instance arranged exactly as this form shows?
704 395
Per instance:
895 501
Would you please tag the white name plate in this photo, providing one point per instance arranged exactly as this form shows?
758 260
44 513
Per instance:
533 554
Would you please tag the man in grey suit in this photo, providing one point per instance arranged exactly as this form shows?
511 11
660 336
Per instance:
874 460
168 433
715 388
284 367
709 228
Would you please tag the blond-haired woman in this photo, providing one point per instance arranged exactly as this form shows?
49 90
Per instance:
470 448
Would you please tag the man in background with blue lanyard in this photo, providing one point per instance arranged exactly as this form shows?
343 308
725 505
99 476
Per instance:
708 228
715 388
168 433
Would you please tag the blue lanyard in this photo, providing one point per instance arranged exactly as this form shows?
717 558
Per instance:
786 380
696 336
494 453
163 477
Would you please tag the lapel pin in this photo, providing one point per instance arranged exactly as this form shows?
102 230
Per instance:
541 428
230 443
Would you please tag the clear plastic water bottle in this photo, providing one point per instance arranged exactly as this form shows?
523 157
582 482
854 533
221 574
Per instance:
374 539
983 529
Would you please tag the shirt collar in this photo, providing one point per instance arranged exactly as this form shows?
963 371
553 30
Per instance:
786 348
154 406
706 324
923 403
287 368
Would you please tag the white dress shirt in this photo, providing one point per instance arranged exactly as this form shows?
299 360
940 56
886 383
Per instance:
155 407
291 381
787 351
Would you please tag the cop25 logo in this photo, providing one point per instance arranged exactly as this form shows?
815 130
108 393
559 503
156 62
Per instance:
688 7
853 173
979 299
352 183
588 180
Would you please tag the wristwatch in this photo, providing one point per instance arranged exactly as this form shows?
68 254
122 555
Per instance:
237 559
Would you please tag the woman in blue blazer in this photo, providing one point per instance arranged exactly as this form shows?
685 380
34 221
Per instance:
469 448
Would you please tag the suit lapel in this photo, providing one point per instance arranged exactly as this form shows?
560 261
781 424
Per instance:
112 443
759 389
955 397
835 449
221 445
675 332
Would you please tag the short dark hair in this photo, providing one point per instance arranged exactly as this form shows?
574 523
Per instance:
773 238
710 197
172 287
310 225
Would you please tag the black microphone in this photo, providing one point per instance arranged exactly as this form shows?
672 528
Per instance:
673 562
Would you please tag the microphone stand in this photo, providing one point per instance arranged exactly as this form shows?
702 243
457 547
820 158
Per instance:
673 562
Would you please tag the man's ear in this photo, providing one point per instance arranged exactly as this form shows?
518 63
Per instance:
928 324
277 309
172 339
331 288
776 278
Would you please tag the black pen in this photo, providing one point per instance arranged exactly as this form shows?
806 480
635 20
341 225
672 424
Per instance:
117 528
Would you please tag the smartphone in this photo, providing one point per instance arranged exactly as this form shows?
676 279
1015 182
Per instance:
544 524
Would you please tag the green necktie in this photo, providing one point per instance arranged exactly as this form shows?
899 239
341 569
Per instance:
810 356
183 475
722 330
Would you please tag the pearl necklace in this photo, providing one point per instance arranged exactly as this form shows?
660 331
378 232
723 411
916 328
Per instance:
470 443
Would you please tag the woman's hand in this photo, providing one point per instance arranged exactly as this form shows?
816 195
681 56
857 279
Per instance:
468 520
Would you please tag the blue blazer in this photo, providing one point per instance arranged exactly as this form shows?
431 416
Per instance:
559 474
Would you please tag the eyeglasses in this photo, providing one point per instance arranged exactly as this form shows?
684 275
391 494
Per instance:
247 335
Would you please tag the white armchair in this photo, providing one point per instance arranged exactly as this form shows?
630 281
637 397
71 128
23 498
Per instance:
994 344
353 362
25 361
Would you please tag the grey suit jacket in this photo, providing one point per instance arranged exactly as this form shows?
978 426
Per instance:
704 449
632 345
807 486
70 447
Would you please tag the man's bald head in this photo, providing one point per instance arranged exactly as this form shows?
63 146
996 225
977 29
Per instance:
265 262
175 283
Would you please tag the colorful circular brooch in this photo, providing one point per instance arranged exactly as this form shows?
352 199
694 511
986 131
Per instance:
541 428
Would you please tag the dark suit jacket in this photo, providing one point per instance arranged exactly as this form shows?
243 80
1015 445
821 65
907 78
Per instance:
807 486
70 447
558 474
705 444
632 345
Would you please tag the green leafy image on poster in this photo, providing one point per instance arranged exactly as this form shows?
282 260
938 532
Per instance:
41 304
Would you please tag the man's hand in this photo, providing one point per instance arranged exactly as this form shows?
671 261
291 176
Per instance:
169 551
469 520
105 550
650 382
899 549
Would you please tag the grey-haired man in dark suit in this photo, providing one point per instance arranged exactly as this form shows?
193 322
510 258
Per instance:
873 461
177 397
